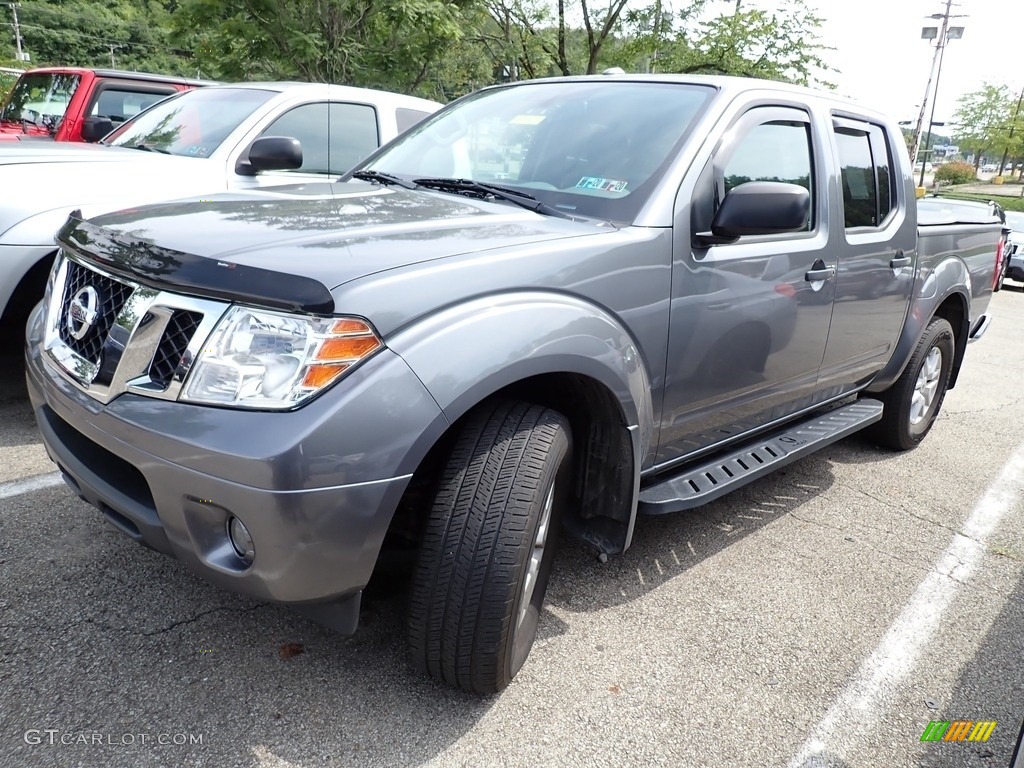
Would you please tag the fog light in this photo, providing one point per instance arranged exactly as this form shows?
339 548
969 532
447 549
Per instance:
241 540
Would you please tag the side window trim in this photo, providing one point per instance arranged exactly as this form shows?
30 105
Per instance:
881 156
128 87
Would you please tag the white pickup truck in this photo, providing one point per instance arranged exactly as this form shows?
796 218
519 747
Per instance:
230 137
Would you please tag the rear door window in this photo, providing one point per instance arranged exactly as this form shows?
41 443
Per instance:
868 182
119 103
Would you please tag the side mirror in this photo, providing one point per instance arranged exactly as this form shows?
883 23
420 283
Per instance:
758 208
95 128
270 153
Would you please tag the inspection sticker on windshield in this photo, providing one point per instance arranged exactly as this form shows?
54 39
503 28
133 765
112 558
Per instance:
527 119
605 185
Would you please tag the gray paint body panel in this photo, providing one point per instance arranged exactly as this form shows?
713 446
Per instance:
471 296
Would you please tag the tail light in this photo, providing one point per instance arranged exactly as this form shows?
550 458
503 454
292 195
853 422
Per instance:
1000 248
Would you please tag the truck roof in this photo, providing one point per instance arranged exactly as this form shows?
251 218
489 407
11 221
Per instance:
119 73
726 84
344 91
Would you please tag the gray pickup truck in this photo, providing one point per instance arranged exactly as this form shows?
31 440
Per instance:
553 306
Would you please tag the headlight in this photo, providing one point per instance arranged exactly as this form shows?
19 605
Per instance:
271 360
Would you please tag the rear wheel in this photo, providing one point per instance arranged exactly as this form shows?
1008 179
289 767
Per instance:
913 402
483 566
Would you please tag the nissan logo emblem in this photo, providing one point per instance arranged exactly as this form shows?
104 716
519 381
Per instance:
82 312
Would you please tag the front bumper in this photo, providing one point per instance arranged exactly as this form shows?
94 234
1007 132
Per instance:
316 487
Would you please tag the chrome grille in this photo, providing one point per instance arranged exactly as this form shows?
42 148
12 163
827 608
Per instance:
112 296
109 335
179 332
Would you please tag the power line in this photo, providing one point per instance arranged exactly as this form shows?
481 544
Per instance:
105 41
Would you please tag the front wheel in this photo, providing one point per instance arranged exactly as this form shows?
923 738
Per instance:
488 546
913 402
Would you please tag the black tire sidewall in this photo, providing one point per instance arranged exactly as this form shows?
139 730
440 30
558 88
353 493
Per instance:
468 581
557 472
939 334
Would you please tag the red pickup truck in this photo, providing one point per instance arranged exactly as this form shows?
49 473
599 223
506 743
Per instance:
80 104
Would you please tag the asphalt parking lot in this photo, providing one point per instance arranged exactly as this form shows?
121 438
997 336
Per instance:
820 617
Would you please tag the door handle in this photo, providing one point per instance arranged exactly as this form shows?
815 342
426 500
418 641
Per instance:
900 262
825 273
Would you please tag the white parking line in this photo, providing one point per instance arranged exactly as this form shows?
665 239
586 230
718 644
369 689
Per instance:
18 487
878 677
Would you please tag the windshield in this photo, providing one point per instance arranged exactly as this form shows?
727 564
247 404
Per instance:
593 148
40 99
192 124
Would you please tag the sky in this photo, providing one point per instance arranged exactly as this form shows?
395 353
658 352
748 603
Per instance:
882 62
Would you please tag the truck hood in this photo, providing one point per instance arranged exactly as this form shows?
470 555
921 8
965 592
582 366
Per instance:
327 233
31 152
54 178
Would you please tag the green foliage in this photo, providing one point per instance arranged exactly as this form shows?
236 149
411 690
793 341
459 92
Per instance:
7 79
90 33
956 173
362 42
988 121
436 48
771 44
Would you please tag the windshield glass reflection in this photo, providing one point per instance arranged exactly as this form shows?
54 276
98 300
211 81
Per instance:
193 124
592 149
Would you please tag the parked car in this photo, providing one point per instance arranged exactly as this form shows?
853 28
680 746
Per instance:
1014 253
204 140
81 104
555 305
990 168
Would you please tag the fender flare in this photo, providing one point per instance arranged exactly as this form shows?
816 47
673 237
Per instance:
949 278
467 352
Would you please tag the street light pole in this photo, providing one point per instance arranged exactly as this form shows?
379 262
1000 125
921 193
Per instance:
924 106
944 36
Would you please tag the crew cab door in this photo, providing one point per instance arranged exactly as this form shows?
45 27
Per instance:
749 318
875 245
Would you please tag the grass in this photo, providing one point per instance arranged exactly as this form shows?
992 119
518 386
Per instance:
1007 202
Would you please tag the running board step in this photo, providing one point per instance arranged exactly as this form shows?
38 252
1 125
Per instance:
706 482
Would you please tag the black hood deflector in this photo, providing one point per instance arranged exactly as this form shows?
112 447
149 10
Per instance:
166 269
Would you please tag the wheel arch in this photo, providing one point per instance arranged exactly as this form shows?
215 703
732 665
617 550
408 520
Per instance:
555 351
952 305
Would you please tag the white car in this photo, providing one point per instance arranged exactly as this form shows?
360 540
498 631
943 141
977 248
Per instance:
1014 251
219 138
989 168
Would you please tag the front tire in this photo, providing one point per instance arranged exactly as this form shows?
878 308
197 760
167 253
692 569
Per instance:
913 402
487 550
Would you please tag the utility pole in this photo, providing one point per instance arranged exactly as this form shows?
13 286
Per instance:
945 34
17 31
111 46
924 103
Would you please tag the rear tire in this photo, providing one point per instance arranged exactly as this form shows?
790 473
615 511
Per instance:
488 546
913 402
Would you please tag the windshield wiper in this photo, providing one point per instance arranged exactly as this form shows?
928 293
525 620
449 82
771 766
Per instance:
383 178
149 148
484 190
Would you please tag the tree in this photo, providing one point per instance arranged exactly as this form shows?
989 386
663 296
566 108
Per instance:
385 45
985 122
122 33
771 44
